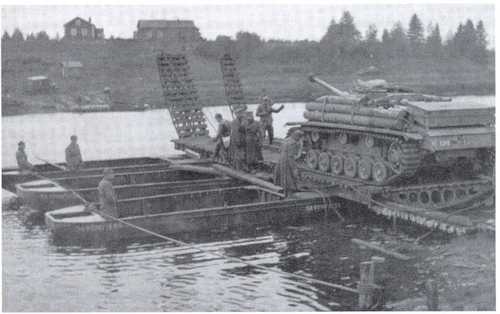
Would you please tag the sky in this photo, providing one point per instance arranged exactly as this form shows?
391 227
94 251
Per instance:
276 21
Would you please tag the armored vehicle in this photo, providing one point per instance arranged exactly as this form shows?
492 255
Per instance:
389 136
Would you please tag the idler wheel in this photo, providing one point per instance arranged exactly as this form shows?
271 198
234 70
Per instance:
337 164
350 167
324 162
365 169
312 159
379 172
394 155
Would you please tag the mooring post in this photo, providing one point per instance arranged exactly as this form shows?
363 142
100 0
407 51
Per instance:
431 292
379 274
394 224
366 284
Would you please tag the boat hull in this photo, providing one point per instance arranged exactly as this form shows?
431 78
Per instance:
90 226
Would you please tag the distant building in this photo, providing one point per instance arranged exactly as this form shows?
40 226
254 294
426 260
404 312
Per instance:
39 85
71 68
80 29
179 31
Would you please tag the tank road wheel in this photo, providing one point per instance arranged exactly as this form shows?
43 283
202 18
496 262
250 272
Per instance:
365 169
312 159
343 138
350 166
394 155
369 141
379 172
337 164
324 162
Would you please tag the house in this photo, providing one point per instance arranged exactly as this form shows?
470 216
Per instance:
178 31
80 29
71 68
39 85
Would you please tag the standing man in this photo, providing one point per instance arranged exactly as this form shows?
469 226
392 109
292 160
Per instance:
223 132
237 140
107 197
73 155
22 159
286 174
265 112
254 138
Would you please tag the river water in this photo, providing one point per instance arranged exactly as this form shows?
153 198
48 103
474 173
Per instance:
147 275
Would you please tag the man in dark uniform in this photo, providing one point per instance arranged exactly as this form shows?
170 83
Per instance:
107 197
22 158
223 132
237 140
254 138
265 112
73 155
286 173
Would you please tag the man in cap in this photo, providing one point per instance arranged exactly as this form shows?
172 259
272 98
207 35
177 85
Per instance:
22 158
237 140
286 173
107 197
254 138
73 155
223 132
265 111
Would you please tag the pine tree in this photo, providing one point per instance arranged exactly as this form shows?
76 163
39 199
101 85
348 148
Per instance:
481 53
371 33
434 43
42 35
415 34
5 36
398 40
17 35
385 37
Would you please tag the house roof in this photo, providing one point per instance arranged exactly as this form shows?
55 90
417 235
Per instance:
37 78
78 18
165 24
72 64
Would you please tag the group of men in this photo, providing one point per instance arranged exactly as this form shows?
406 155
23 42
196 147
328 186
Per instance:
246 135
74 162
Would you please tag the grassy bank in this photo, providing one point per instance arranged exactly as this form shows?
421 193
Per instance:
128 68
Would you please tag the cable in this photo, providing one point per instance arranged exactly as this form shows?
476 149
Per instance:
234 259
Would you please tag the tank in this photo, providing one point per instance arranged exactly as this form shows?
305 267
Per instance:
380 134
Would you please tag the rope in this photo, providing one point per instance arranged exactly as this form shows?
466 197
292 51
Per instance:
233 259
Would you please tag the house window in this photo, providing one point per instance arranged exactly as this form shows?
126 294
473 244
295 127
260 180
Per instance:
159 34
149 34
78 22
73 31
84 32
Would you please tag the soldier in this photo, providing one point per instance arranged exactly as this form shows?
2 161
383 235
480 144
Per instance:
265 112
22 159
237 143
285 174
254 138
223 132
107 197
73 155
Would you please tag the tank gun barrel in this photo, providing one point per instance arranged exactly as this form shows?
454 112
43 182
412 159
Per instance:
313 78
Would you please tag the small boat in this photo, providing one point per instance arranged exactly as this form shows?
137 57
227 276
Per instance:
190 211
48 194
12 176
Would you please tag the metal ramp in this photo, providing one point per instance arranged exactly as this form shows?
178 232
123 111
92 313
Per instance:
181 96
232 83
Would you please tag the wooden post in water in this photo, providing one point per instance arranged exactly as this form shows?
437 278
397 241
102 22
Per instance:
365 286
431 292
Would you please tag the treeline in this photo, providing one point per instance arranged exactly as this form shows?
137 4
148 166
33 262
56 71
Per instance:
17 35
344 44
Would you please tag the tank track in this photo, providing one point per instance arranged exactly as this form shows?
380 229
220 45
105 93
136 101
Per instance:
371 158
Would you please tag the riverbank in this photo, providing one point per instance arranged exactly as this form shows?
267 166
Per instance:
464 270
128 70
